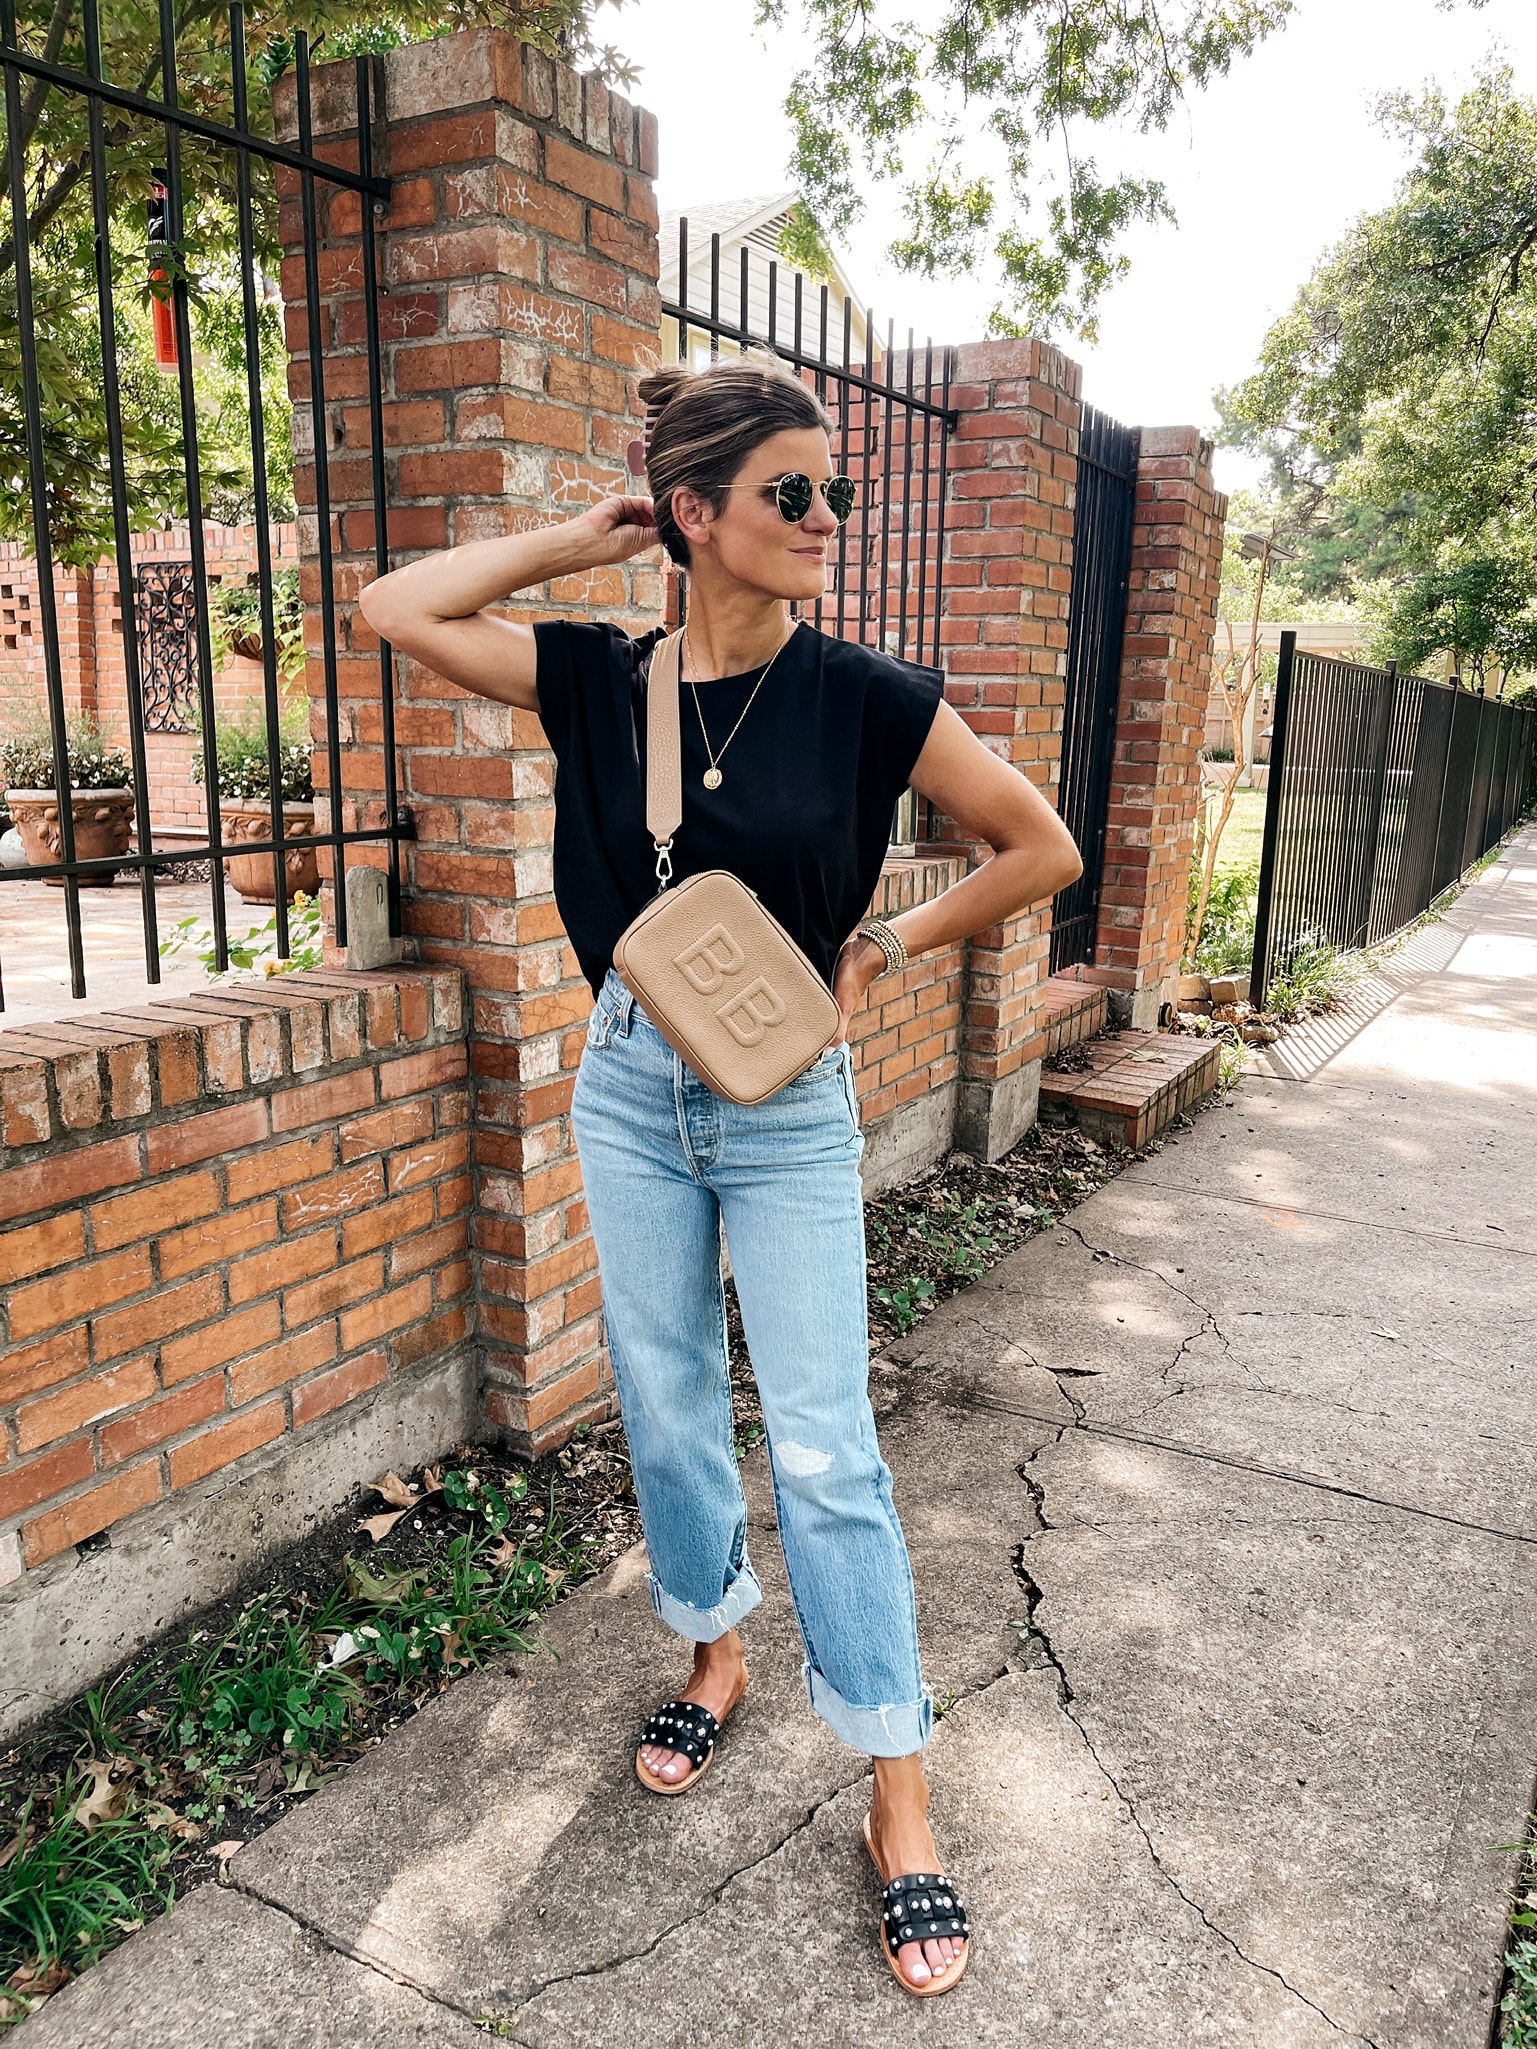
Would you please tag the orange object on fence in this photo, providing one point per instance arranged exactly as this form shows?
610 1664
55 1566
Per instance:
162 312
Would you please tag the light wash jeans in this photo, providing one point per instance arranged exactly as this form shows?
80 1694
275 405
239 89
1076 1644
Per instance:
665 1162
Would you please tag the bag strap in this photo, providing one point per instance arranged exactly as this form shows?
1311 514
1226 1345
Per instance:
664 751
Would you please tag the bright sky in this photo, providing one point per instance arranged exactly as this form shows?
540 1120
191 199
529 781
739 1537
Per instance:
1264 171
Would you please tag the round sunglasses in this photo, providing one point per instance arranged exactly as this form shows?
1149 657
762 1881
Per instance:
795 493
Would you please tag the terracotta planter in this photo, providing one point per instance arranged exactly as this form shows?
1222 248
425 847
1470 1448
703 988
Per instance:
250 818
103 824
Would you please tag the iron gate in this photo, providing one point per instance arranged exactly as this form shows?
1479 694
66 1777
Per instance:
226 162
1383 790
1102 529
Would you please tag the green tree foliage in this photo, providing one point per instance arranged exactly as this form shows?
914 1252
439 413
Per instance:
54 137
979 114
1400 389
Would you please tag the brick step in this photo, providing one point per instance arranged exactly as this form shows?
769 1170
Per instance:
1131 1085
1072 1010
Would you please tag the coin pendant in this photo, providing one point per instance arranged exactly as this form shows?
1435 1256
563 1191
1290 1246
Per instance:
712 779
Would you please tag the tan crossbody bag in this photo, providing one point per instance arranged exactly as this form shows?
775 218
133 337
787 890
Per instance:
717 974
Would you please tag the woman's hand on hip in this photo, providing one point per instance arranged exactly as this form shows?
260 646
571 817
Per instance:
860 960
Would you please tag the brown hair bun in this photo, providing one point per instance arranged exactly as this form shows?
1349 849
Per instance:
702 425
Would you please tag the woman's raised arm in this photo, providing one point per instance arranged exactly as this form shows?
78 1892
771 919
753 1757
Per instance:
434 609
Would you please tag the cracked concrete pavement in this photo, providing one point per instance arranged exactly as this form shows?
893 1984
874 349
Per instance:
1220 1498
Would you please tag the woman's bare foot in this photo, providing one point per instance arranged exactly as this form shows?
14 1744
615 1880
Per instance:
718 1683
899 1827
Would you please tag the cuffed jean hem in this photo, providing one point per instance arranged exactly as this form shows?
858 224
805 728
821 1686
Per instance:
704 1625
895 1731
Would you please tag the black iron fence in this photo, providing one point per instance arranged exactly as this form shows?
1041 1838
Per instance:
1102 532
91 200
892 421
1383 790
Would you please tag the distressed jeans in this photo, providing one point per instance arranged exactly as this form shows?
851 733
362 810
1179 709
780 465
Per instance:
667 1165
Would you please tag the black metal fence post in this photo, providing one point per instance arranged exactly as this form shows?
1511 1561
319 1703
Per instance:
38 490
1385 701
252 329
1259 973
101 222
227 156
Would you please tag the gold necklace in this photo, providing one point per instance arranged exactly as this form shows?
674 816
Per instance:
712 775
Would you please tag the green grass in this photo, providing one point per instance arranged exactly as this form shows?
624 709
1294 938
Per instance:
1245 829
1518 2008
148 1770
1316 979
68 1893
1227 932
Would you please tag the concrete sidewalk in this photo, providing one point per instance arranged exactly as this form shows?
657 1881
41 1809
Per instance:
1252 1443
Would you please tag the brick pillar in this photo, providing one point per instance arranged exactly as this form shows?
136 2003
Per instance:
1003 631
1171 607
518 263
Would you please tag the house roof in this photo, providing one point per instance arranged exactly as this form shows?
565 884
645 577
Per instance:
755 221
734 217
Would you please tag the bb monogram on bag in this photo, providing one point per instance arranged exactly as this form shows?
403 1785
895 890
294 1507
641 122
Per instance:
744 1017
707 962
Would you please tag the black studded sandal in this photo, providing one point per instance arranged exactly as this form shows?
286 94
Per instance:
921 1906
684 1726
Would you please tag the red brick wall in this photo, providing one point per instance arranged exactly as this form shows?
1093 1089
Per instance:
1008 580
89 611
221 1219
906 1039
1176 567
519 258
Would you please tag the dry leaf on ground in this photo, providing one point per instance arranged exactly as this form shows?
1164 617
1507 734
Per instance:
402 1499
106 1799
379 1526
155 1814
38 1981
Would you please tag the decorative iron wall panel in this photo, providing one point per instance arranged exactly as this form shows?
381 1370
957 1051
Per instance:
165 616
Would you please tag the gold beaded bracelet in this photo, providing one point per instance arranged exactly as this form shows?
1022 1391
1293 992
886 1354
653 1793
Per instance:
889 942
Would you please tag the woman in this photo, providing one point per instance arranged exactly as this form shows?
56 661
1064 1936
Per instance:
795 749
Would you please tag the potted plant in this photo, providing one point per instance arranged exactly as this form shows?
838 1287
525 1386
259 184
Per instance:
235 622
245 798
101 787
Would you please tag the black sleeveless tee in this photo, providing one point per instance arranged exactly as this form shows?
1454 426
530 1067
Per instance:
804 810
